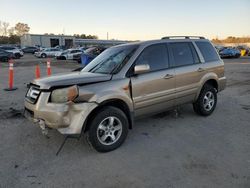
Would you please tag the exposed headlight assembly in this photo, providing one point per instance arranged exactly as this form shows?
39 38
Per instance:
64 95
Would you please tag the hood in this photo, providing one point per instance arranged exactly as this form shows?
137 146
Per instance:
73 78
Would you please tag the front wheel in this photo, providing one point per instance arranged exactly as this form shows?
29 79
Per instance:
108 129
206 102
43 55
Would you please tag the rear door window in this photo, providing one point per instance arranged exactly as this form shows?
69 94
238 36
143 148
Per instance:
156 56
183 53
208 51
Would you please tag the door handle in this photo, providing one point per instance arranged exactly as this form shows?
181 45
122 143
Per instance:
201 69
168 76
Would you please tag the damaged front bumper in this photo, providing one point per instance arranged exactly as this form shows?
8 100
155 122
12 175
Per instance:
67 118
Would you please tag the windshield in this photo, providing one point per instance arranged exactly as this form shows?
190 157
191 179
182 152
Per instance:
111 60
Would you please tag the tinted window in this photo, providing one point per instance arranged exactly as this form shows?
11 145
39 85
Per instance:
208 51
75 51
155 56
54 50
183 53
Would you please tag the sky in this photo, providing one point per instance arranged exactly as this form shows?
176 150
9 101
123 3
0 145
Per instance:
131 19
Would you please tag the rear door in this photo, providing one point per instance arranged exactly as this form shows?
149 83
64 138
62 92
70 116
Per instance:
153 91
188 69
53 52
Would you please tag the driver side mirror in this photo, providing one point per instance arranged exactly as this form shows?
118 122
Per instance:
139 69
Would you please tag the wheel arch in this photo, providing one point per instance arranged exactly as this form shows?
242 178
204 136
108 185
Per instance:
44 54
210 79
118 103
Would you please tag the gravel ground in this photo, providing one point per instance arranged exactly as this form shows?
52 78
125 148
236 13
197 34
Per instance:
164 150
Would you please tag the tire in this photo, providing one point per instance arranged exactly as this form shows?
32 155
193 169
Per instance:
43 55
17 56
104 138
206 102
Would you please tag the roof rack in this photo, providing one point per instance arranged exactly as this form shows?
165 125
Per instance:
185 37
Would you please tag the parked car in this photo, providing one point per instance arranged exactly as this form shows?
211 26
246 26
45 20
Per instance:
218 48
82 48
244 50
68 54
229 52
17 52
30 49
62 47
89 55
47 52
125 82
40 48
5 56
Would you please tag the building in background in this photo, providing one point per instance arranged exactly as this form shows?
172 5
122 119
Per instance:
47 40
65 41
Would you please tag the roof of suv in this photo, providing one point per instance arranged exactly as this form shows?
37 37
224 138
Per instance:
167 39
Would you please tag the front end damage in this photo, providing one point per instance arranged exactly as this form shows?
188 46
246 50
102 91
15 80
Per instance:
67 118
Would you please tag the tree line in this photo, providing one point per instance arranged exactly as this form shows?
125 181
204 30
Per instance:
232 39
11 34
83 36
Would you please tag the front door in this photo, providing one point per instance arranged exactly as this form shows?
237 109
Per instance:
154 91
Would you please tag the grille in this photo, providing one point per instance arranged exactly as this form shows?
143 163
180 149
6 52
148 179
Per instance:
33 94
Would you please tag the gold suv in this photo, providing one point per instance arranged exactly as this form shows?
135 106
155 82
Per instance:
124 82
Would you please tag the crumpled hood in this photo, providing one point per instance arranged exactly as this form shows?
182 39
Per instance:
73 78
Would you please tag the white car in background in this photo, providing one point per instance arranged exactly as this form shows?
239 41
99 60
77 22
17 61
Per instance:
16 52
47 52
68 54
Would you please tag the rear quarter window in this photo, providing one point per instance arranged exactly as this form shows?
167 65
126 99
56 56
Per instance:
208 51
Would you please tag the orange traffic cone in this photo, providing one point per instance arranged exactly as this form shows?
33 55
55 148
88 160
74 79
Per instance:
37 71
11 77
48 68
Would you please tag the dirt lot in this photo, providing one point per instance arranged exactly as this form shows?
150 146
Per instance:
161 151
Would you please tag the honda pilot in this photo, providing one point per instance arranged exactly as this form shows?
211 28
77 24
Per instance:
125 82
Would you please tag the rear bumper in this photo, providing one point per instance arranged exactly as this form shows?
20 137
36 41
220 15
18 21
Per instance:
67 118
222 83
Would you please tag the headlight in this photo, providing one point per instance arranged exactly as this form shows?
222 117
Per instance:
64 95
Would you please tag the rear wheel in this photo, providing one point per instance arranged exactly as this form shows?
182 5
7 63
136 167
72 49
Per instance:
108 129
206 102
